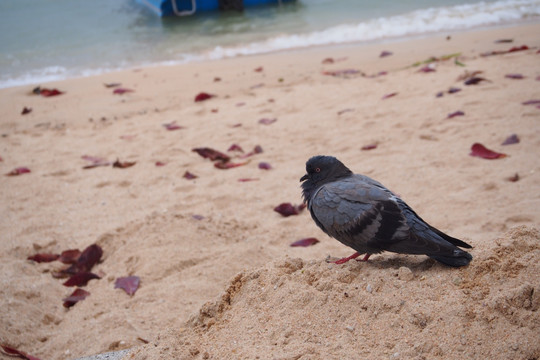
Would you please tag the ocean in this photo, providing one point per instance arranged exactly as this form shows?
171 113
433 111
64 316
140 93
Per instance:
47 40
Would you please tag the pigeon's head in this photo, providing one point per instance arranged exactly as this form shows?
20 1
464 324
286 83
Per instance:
321 170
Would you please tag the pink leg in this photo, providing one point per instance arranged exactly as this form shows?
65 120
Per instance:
353 256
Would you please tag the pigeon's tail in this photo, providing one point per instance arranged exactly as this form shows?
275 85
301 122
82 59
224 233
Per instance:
457 259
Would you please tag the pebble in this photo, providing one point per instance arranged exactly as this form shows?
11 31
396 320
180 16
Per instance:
369 288
404 273
350 328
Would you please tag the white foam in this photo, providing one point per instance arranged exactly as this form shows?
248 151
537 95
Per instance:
423 21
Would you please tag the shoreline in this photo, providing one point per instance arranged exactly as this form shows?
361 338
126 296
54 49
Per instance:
218 274
203 57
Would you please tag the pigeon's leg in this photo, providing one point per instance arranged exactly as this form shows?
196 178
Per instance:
365 258
344 260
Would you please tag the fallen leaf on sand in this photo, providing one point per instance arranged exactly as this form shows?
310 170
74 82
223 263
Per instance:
228 165
18 171
94 161
264 166
387 96
369 147
305 242
189 176
26 110
480 150
428 68
160 163
455 113
80 279
287 209
209 153
123 164
248 179
514 76
129 284
112 85
259 69
75 297
235 147
10 351
120 91
512 139
266 121
43 257
89 257
172 126
69 256
341 112
203 96
531 102
474 80
385 53
344 73
48 92
513 178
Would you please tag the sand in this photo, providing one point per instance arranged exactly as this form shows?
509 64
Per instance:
228 285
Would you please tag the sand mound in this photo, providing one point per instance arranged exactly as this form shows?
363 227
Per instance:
292 309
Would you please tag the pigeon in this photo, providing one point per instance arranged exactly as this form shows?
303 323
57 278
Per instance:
364 215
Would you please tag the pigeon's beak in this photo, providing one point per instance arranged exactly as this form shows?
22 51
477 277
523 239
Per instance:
304 178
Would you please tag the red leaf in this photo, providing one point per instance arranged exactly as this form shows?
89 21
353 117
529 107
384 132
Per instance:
123 164
211 154
512 139
235 147
203 96
385 53
455 113
259 69
189 176
305 242
369 147
480 150
89 257
120 91
389 95
518 48
43 257
129 284
287 209
26 110
18 171
266 121
228 165
328 61
265 166
112 85
160 163
514 76
70 256
10 351
49 92
172 126
247 179
217 79
76 296
80 279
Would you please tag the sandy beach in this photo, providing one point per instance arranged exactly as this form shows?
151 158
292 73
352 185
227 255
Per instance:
218 277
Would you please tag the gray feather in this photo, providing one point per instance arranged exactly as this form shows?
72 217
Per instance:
364 215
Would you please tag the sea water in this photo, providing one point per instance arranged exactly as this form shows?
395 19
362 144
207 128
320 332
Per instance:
46 40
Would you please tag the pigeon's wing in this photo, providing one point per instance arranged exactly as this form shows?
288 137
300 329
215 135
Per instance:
363 214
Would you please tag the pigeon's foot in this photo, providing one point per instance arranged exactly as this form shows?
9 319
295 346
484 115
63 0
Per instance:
353 256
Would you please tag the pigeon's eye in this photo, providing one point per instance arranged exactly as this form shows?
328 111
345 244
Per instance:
317 169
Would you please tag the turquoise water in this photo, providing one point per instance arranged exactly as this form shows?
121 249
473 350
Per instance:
45 40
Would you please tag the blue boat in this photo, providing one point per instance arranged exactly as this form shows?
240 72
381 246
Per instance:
190 7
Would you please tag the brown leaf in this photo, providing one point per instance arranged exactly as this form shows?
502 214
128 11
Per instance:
70 256
228 165
513 178
369 147
455 113
203 96
387 96
266 121
123 164
172 126
89 257
80 279
26 110
11 351
209 153
43 257
189 176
